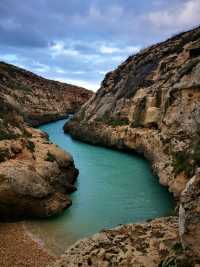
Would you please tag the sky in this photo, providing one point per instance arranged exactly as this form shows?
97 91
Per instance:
79 41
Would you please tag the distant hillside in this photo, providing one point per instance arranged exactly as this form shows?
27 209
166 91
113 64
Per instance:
39 99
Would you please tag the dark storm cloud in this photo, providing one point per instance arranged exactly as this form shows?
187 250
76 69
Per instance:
79 41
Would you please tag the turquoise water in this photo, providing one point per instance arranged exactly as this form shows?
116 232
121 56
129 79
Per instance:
113 188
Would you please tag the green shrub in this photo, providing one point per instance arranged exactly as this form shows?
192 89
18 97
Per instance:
177 247
7 135
31 146
118 122
4 154
27 134
196 153
114 122
50 157
181 164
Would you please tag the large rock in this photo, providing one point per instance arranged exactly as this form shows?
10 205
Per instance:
35 177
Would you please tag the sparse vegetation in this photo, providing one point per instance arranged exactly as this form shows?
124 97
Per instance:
187 161
177 247
50 157
188 68
118 122
175 262
31 146
4 154
114 122
196 153
181 164
7 135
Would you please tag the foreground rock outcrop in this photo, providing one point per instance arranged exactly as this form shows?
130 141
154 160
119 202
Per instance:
149 244
39 99
35 175
151 104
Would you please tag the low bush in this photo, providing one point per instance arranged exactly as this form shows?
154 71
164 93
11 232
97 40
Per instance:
31 146
50 157
4 154
114 122
181 164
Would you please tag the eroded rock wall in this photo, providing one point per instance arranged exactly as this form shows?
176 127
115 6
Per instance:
151 104
35 175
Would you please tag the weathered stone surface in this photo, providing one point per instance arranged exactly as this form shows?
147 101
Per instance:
131 245
190 215
151 104
35 175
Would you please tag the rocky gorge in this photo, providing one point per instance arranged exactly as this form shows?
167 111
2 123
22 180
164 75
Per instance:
150 104
35 175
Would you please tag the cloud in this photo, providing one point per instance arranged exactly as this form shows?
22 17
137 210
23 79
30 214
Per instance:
59 49
96 53
9 57
40 68
79 41
184 16
112 50
86 84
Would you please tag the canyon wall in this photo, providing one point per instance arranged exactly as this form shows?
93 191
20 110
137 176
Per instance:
35 175
39 99
151 104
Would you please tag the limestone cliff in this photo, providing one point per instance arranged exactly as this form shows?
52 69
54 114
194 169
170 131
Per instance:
151 104
35 175
40 100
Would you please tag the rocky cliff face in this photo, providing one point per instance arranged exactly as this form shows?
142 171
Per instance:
151 104
35 175
40 100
